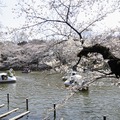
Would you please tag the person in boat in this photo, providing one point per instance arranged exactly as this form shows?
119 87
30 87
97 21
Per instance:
11 72
4 77
73 79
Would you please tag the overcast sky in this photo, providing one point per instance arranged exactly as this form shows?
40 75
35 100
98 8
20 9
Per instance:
7 18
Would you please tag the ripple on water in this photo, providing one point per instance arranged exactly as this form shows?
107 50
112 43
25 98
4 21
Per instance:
44 90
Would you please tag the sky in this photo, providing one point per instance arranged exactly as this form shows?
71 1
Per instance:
8 19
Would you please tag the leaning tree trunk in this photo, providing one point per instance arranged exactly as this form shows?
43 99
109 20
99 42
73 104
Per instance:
114 62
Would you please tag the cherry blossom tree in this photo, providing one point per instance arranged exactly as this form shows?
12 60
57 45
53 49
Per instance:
64 18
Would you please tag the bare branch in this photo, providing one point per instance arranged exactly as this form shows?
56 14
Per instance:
67 14
101 17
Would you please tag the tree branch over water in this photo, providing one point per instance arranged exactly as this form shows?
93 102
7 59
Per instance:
113 61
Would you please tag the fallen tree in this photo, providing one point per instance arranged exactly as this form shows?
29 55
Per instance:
113 61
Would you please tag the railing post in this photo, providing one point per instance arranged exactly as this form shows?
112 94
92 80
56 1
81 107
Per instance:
8 98
104 117
54 111
26 104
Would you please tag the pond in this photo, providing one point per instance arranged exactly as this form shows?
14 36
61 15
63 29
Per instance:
43 90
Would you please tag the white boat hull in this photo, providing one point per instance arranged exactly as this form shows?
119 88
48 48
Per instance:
68 83
76 86
6 79
75 81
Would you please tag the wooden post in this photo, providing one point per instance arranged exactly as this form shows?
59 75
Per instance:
8 101
104 117
54 111
8 98
26 104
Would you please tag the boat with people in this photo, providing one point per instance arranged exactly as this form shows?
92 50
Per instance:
8 77
4 78
76 81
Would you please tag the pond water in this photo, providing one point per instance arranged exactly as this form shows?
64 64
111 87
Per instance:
43 90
